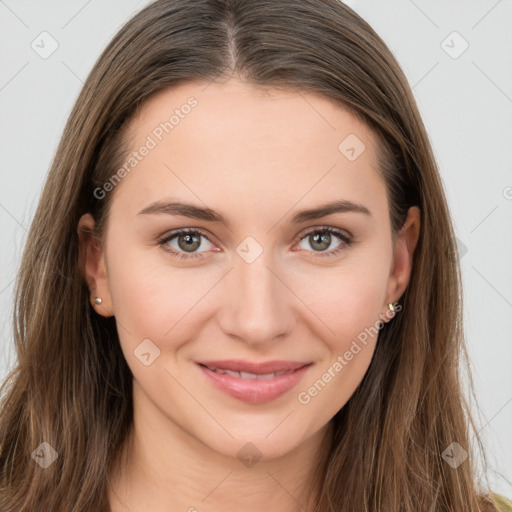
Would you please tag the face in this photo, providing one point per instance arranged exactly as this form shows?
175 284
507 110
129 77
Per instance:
214 254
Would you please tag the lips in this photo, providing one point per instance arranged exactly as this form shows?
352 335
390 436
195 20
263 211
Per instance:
263 368
249 375
254 383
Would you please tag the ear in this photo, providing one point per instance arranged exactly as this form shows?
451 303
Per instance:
404 246
93 266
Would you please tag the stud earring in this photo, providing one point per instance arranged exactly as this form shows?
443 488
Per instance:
391 307
97 300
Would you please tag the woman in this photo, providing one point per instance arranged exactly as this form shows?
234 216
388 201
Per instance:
241 286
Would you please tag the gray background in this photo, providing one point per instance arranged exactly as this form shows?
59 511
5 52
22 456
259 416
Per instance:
465 98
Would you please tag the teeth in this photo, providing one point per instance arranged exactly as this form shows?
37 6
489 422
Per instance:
247 375
267 376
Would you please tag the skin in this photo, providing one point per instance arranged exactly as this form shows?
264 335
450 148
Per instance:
257 157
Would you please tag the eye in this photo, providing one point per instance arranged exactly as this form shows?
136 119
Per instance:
321 239
184 243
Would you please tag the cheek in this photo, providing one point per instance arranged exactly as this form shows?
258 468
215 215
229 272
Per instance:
153 299
347 299
349 303
351 309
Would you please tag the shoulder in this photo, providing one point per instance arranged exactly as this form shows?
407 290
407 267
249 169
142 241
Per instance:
502 504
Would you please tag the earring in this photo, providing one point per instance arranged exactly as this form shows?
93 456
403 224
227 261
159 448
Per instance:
97 300
391 307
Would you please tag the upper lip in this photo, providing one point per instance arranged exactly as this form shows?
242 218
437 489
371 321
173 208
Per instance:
239 365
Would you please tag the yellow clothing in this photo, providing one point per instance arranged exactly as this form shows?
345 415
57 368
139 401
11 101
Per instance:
502 504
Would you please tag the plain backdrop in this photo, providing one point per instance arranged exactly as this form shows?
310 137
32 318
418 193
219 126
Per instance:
457 56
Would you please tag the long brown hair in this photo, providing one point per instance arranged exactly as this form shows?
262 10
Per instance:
72 386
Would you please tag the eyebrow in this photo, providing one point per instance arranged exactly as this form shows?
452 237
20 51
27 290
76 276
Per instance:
197 212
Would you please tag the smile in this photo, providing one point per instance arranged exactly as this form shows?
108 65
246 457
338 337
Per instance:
255 387
248 375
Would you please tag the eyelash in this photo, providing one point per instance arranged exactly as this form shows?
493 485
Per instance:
345 238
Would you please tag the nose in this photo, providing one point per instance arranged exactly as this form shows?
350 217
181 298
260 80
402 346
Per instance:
257 307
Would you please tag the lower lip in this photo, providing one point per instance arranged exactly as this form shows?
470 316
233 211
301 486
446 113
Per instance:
255 391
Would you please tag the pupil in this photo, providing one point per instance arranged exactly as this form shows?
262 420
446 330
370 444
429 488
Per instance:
324 237
190 244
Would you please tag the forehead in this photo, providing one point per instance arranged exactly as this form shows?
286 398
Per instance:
264 113
254 145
